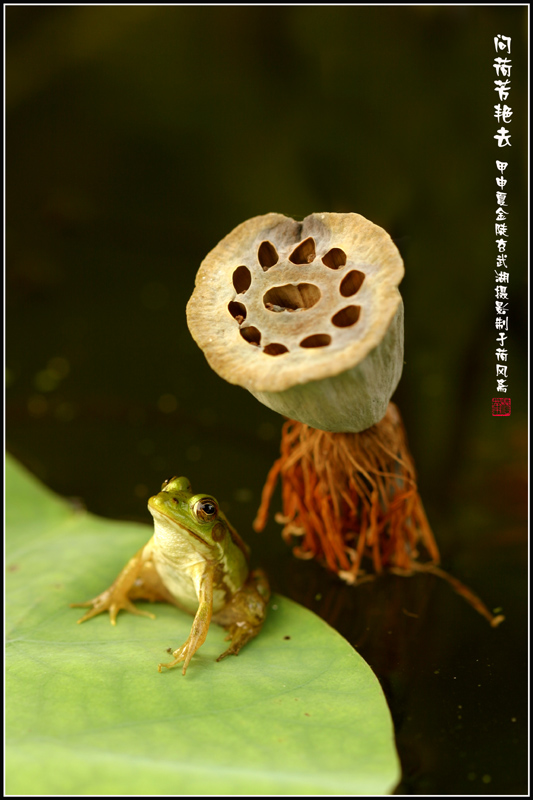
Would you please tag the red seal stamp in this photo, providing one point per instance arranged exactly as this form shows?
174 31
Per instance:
501 406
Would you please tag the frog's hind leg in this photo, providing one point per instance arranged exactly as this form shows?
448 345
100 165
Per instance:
244 616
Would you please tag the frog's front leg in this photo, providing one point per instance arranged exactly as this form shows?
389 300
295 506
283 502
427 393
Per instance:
116 597
202 620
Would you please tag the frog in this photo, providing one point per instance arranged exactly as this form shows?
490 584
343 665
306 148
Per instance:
196 561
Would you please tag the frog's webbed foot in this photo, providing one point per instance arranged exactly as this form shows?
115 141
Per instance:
138 580
111 601
239 635
179 655
186 651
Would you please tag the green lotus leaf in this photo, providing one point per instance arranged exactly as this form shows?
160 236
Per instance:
297 712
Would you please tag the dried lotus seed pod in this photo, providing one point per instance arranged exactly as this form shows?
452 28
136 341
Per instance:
305 315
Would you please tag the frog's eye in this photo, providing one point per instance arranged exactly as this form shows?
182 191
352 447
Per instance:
176 484
205 509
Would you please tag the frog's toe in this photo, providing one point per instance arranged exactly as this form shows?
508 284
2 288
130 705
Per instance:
239 637
232 650
142 613
173 664
183 653
179 655
127 606
92 613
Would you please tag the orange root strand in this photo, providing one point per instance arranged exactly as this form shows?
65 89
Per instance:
348 497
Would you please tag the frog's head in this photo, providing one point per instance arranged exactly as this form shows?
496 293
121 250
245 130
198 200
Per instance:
192 520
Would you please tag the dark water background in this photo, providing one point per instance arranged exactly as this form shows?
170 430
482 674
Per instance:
137 137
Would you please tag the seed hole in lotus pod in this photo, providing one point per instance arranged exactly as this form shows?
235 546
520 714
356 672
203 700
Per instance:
346 317
242 278
251 334
290 297
304 253
352 282
237 311
275 349
316 340
267 255
335 258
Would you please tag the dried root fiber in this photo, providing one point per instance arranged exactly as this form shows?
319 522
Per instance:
351 501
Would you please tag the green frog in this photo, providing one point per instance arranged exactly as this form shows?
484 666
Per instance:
197 561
